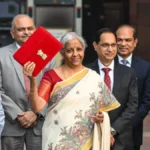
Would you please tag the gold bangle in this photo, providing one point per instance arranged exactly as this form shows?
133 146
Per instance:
32 93
33 89
33 78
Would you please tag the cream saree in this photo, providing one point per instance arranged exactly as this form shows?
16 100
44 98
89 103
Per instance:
68 124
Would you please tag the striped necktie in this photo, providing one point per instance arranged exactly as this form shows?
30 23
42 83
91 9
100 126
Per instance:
107 77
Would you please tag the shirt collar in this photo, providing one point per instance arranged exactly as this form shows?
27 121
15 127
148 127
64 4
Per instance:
18 46
111 66
129 59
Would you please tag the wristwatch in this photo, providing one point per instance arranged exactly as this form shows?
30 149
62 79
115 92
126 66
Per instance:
39 116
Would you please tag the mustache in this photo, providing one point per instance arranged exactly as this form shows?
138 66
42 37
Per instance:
120 46
25 36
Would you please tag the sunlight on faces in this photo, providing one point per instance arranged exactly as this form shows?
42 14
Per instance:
73 53
23 28
125 41
106 48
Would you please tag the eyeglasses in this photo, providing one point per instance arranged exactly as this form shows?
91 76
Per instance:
105 45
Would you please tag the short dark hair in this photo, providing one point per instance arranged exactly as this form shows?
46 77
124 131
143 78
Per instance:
130 26
101 31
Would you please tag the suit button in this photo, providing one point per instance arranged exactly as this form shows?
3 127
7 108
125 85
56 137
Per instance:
56 122
55 111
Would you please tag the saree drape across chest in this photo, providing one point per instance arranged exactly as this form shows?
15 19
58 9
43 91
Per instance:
68 124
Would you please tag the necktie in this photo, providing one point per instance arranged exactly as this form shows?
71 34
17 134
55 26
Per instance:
124 62
27 84
107 77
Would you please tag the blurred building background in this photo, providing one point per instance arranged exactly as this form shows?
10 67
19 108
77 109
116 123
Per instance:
84 17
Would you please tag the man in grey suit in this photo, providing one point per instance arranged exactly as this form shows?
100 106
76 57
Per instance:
123 84
22 125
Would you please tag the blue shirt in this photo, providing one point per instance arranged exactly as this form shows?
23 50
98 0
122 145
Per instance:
2 117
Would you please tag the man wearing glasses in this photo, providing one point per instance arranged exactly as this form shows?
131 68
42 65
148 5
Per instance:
121 80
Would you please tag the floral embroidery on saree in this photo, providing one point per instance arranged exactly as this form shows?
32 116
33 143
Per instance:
78 134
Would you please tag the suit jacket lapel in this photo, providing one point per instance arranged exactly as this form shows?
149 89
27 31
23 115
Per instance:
116 59
117 78
134 62
16 65
96 67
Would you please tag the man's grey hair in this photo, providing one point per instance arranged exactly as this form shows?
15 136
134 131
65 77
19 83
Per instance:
70 36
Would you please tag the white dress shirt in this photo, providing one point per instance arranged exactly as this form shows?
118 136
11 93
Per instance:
18 46
111 72
129 59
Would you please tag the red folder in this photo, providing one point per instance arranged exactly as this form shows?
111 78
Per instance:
40 48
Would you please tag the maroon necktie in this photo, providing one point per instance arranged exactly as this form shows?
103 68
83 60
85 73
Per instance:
27 84
107 77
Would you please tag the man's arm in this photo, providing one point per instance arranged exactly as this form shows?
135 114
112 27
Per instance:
10 108
144 105
131 107
2 116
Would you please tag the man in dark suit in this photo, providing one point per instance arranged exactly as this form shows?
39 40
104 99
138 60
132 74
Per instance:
127 41
22 125
123 86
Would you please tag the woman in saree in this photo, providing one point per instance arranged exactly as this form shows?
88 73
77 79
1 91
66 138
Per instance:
77 101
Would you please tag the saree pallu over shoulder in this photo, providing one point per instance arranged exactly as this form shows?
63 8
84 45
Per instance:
68 122
72 80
